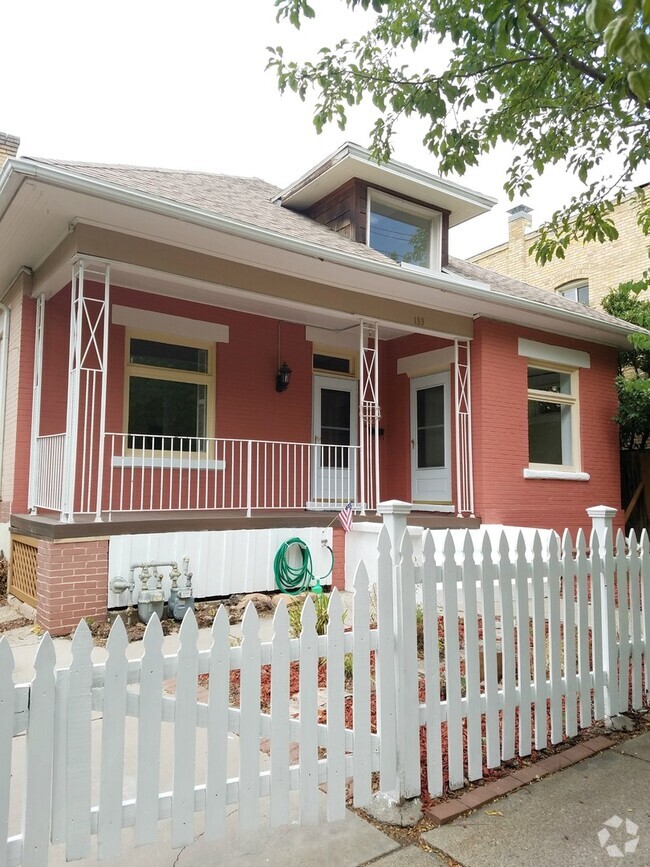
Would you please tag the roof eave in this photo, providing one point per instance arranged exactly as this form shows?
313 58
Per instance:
16 170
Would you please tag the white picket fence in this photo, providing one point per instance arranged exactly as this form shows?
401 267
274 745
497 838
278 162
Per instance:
582 656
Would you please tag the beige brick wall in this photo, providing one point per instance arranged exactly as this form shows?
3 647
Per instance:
8 147
603 265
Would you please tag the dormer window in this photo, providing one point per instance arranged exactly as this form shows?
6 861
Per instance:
403 231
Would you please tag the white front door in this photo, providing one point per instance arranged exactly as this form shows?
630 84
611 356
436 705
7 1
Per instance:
431 442
334 463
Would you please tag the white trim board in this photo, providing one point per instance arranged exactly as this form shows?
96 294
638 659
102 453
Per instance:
426 362
554 354
164 323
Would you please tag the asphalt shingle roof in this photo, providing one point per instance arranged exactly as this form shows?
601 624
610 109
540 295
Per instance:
249 201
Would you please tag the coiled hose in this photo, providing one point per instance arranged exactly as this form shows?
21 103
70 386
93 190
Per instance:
297 579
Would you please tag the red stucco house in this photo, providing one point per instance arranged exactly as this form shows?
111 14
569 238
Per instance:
192 352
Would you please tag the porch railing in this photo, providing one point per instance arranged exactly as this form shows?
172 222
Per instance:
46 489
163 473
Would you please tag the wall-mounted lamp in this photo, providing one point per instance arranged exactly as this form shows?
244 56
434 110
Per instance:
282 377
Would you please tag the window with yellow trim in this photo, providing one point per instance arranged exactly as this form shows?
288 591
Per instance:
553 423
169 387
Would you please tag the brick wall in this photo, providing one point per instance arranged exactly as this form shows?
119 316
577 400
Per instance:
8 147
72 582
603 265
500 427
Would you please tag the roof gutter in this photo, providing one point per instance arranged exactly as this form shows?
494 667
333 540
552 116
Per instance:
144 201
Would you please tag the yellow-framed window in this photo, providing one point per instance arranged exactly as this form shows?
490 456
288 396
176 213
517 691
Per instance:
169 392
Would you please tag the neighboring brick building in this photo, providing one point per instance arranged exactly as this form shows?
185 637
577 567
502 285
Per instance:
588 272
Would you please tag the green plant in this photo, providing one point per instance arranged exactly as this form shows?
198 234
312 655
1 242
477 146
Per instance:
321 601
348 666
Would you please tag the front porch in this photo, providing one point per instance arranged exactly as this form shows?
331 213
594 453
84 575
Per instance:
139 437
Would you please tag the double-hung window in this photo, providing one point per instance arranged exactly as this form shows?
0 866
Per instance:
169 389
553 424
406 233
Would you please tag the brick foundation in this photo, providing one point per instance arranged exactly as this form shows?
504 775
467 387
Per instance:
72 581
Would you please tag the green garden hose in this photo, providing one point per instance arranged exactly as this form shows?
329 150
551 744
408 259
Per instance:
297 579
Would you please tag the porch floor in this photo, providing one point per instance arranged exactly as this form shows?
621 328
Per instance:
132 523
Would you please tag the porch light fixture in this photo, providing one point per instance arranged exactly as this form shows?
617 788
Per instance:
282 377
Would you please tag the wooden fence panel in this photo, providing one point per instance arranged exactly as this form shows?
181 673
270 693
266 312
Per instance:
431 576
635 615
111 792
584 660
280 662
361 760
185 712
217 726
335 710
555 640
149 734
249 722
622 585
453 682
506 589
644 545
539 644
472 663
522 572
600 645
488 576
385 664
7 693
308 715
569 589
77 818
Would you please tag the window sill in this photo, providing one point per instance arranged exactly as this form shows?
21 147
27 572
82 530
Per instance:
140 463
567 475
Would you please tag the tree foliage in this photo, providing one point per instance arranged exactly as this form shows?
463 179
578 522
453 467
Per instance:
559 82
633 380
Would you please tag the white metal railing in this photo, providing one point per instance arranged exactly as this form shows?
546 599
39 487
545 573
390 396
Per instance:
165 473
47 472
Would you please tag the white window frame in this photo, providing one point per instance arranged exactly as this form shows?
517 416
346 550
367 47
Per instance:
166 373
567 289
572 468
435 218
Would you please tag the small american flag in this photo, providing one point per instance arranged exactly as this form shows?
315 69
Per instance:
346 516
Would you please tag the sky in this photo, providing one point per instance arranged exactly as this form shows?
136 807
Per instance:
183 85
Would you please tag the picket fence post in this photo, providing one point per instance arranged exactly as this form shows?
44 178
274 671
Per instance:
407 771
602 518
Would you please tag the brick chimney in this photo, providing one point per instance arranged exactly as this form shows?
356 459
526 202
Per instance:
519 222
8 147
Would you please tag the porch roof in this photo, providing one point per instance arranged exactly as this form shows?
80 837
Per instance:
244 207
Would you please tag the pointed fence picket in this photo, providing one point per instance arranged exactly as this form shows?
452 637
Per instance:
531 634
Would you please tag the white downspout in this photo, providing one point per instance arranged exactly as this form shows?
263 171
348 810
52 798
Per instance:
4 361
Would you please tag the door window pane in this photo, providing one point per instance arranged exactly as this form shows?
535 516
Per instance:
430 427
335 426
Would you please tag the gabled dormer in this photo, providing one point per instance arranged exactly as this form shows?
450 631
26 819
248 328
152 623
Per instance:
394 208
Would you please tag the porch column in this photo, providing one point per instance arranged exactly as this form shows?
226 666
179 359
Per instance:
369 415
34 450
86 409
463 405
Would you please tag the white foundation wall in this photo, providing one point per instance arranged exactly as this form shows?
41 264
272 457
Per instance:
222 562
361 543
